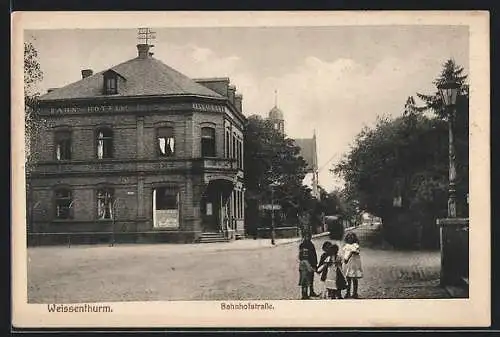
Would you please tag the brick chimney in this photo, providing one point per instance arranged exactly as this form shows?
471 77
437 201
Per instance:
230 93
143 50
86 73
238 102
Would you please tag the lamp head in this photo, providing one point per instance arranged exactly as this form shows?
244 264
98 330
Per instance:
448 91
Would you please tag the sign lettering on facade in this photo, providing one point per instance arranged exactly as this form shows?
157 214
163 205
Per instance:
107 108
118 108
208 107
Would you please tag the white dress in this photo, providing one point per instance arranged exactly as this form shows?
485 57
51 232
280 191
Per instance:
352 268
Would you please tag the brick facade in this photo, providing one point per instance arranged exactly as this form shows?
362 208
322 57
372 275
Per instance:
135 168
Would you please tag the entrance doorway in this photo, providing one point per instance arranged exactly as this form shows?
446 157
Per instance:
216 217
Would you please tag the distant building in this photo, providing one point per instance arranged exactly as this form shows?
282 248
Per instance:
139 152
308 149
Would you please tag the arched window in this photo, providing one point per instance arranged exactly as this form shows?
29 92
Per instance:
63 203
63 145
228 139
105 209
166 141
104 143
207 142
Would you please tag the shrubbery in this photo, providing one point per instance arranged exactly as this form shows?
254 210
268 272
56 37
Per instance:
406 159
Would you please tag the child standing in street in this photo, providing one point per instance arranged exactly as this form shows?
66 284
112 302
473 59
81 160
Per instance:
322 268
305 272
334 281
352 264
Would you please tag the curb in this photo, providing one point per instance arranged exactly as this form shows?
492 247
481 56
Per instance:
315 236
299 238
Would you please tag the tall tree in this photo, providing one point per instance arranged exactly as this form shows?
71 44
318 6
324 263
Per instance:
398 169
32 76
273 169
460 123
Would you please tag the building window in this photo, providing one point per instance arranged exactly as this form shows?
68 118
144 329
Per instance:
228 139
104 143
207 142
63 145
104 204
241 154
110 87
166 142
235 152
64 203
166 207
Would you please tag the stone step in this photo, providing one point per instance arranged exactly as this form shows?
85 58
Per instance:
212 240
212 237
212 234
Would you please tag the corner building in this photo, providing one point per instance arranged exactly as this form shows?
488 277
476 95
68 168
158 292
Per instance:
139 153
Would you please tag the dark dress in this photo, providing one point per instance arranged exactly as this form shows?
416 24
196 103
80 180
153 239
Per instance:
312 258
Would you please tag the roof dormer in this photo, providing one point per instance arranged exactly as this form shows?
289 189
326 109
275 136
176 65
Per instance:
112 82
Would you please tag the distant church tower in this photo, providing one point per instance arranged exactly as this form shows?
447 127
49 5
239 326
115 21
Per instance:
276 116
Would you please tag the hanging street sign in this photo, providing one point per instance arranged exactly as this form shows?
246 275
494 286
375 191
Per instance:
270 207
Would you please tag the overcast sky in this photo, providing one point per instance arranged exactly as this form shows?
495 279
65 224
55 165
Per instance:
333 80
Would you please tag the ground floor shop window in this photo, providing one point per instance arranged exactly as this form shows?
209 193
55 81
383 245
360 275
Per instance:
165 207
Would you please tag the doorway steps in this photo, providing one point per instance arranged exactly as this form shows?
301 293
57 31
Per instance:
212 237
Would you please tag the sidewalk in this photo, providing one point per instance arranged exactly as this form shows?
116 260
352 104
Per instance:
258 243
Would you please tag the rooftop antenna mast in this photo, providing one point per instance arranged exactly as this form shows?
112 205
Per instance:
146 36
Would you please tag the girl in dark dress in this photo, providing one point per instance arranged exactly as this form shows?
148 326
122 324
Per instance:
305 271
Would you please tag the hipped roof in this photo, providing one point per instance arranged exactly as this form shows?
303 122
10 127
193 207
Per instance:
142 77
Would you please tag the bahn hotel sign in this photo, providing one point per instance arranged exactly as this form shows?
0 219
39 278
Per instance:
137 107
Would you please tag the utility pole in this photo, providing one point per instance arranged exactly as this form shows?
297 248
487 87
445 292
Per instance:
273 229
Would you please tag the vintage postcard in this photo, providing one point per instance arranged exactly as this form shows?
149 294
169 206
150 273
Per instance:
250 169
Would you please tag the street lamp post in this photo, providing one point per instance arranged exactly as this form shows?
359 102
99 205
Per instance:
448 91
273 224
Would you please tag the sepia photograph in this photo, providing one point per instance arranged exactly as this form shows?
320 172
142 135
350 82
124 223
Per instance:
251 165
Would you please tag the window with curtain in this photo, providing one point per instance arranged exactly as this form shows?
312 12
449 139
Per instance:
104 143
63 203
63 145
207 142
166 141
105 207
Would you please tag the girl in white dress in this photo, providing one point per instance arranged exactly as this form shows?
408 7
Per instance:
352 264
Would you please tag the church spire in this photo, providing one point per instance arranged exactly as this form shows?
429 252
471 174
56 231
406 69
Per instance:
275 97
